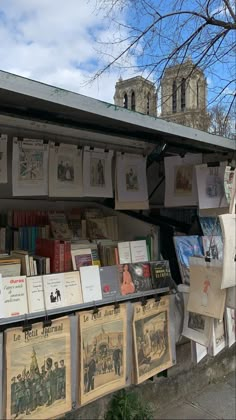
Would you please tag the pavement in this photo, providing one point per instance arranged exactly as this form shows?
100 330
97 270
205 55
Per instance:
215 401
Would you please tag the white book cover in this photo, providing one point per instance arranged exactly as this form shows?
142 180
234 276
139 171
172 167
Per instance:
124 252
65 170
180 180
231 297
35 294
138 251
29 167
210 185
73 292
230 326
3 159
97 172
54 290
228 227
13 296
131 178
90 283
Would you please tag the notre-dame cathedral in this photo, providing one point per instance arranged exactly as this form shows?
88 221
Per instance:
183 95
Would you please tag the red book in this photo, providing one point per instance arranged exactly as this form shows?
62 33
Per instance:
62 257
67 260
49 248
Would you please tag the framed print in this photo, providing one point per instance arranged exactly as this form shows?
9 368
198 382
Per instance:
206 296
97 172
3 159
102 352
210 186
131 178
38 370
65 170
152 339
180 180
228 227
29 167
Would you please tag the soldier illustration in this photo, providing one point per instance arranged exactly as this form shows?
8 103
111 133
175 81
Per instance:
91 373
38 388
61 380
55 383
27 396
13 395
117 360
48 380
19 392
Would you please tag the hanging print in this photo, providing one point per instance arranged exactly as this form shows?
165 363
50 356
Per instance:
131 178
97 172
210 185
29 167
65 171
3 159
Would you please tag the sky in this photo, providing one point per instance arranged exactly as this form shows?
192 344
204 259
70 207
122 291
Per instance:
54 41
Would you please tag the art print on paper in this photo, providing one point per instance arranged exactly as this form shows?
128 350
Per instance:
65 169
210 185
3 158
231 325
131 177
183 180
152 343
38 371
196 322
97 172
103 352
30 165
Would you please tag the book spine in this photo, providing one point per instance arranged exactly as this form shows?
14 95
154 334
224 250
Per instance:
62 257
54 255
67 260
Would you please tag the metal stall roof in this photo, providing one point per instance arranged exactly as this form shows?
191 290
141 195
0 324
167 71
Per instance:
34 106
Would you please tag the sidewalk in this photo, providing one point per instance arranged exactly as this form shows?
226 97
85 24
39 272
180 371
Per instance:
216 401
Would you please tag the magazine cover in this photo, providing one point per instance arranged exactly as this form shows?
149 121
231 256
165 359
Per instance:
3 158
228 226
152 341
29 167
186 247
213 247
102 352
180 180
38 371
65 174
206 296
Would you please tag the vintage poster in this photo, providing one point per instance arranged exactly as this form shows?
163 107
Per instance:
3 159
38 371
102 352
228 227
131 178
206 296
29 167
230 325
65 170
152 341
180 180
218 341
196 327
210 185
97 172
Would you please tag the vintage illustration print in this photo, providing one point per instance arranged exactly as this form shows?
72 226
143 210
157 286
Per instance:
31 164
65 169
3 158
183 180
196 322
38 371
132 178
151 338
97 172
102 352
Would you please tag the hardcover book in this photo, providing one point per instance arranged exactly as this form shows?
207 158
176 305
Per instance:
38 371
90 283
35 294
81 258
161 275
110 282
59 226
13 296
102 352
141 275
152 341
54 290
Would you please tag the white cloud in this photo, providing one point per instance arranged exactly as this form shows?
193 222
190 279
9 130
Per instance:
54 41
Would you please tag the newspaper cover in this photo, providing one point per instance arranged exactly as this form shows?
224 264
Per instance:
102 352
152 341
38 372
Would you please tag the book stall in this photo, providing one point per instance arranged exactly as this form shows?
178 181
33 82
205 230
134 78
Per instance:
100 235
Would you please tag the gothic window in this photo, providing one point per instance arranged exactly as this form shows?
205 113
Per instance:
133 101
183 93
174 96
125 101
148 103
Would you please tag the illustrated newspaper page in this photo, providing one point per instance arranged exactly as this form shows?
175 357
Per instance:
102 352
152 341
38 371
